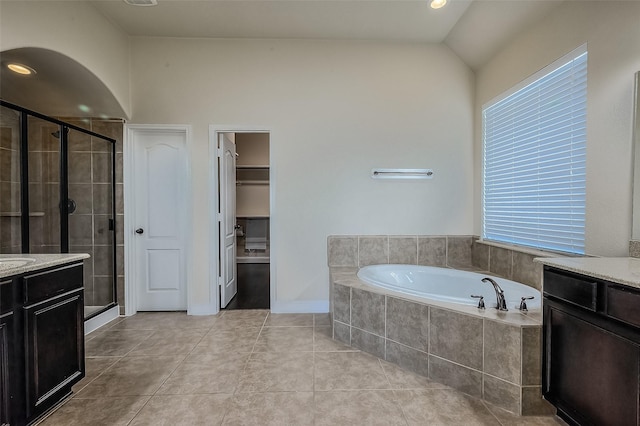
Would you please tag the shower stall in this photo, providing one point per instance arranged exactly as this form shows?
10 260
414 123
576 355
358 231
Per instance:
57 195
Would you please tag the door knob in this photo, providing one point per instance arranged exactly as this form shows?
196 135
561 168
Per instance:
139 231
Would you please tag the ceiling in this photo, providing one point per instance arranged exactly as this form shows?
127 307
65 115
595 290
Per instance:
474 29
51 90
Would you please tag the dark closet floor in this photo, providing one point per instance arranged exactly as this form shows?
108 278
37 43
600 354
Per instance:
253 287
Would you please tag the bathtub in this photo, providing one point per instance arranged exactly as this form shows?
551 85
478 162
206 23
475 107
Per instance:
447 285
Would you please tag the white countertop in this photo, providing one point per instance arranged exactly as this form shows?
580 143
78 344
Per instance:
622 270
39 261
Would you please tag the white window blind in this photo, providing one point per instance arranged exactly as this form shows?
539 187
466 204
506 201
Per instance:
534 160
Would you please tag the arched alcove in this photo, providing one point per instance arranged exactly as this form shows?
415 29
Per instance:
61 86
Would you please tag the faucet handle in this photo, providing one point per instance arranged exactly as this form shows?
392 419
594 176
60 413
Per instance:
523 304
480 302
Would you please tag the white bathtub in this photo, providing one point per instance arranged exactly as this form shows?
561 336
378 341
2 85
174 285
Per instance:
447 285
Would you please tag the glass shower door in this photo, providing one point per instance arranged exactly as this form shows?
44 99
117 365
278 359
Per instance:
90 208
57 189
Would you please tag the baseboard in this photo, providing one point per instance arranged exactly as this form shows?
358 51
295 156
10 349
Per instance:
300 307
98 321
207 309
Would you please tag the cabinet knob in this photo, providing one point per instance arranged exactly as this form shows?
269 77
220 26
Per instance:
139 231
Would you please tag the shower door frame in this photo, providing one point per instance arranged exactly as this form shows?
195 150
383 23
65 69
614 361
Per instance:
64 188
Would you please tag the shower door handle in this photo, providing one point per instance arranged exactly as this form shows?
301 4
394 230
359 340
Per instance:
139 231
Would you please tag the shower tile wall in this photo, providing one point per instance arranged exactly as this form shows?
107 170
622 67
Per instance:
44 187
10 237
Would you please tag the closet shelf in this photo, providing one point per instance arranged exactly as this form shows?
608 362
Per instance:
252 216
251 166
252 182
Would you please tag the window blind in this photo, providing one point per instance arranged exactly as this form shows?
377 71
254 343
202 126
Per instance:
534 160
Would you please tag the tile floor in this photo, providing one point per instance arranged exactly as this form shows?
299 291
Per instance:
249 367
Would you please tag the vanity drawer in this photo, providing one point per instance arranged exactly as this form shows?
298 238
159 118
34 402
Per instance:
623 303
578 291
48 284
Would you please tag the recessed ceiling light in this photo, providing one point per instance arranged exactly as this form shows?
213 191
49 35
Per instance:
21 69
437 4
141 2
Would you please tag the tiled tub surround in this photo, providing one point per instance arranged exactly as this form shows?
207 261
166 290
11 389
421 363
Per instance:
484 353
455 251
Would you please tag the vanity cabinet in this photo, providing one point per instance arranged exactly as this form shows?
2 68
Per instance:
7 371
591 349
54 336
45 336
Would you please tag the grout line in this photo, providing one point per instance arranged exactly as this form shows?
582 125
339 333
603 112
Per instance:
141 408
484 403
385 327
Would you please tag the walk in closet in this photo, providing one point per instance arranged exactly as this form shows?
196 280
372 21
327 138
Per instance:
252 218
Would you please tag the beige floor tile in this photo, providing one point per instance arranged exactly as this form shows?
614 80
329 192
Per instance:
369 408
101 330
285 339
230 320
348 371
183 410
168 342
273 408
116 342
206 373
273 372
508 419
223 374
443 407
289 320
400 378
239 340
323 342
106 411
165 320
321 320
132 376
94 366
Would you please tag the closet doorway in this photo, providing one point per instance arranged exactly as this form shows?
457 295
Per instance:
252 221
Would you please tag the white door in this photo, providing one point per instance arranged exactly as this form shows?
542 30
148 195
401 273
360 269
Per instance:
227 218
160 185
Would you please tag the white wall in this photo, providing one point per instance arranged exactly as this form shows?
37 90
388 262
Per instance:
612 31
72 28
335 110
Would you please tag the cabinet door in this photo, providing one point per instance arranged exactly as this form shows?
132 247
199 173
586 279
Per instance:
590 374
7 345
54 333
6 326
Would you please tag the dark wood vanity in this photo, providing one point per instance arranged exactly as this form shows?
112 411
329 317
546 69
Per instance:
591 348
41 340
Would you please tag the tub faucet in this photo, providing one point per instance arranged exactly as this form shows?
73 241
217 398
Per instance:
502 304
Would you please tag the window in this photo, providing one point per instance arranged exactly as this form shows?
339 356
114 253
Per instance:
534 159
